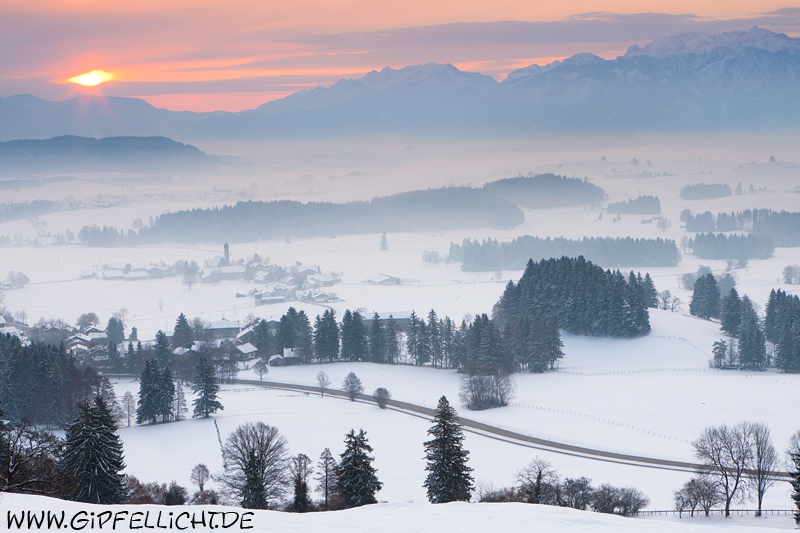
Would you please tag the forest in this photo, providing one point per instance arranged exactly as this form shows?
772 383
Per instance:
641 205
610 251
546 190
783 227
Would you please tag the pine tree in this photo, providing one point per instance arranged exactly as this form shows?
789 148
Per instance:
731 313
752 344
147 411
705 298
795 482
434 339
114 362
166 396
115 330
180 403
354 341
161 351
328 478
392 345
93 456
357 477
183 334
377 340
449 478
204 383
326 336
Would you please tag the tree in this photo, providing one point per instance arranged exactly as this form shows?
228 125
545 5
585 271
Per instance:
182 335
731 313
725 453
86 320
180 403
357 477
128 406
254 457
200 475
763 460
794 474
384 243
352 386
261 368
700 491
115 330
705 297
719 350
161 351
539 482
150 393
449 478
354 340
323 381
326 336
382 397
191 274
300 468
204 384
93 456
328 478
377 340
478 392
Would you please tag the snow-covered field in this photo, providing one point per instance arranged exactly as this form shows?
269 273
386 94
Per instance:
650 396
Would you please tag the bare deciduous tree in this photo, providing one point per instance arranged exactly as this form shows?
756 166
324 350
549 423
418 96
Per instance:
382 397
200 475
352 386
763 460
539 482
255 463
128 406
725 453
323 381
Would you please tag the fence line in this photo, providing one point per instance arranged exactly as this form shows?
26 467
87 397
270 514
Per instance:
701 513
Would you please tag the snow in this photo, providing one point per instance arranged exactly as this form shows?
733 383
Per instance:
704 43
388 518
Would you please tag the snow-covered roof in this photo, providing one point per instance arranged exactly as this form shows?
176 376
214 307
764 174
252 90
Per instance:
215 262
247 348
224 324
113 274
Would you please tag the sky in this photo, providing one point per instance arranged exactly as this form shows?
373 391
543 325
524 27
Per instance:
204 55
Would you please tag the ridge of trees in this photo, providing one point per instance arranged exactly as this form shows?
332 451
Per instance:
641 205
610 251
546 190
783 227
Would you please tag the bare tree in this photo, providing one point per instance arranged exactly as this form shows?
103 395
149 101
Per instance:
763 460
539 482
254 458
479 391
261 368
328 479
382 397
700 491
352 386
725 453
323 381
191 275
200 475
128 406
300 468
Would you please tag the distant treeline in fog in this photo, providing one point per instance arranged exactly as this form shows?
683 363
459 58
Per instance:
16 211
546 190
704 191
608 251
643 205
735 247
782 227
493 206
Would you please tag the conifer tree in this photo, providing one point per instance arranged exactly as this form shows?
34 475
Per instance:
752 344
93 456
204 384
392 345
166 396
731 313
180 403
449 478
795 482
147 411
354 340
183 334
328 478
377 340
358 481
161 351
705 297
326 336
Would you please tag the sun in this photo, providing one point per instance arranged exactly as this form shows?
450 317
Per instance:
90 79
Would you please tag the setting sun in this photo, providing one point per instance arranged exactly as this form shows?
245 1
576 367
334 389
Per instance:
90 79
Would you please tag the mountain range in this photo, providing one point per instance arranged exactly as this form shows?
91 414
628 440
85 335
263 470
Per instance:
688 82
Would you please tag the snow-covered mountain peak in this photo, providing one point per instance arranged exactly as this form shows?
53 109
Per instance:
704 43
435 76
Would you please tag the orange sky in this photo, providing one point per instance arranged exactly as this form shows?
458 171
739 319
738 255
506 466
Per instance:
208 55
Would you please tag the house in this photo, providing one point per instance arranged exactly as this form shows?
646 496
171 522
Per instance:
113 274
288 358
226 273
247 350
137 275
158 272
223 329
384 279
401 319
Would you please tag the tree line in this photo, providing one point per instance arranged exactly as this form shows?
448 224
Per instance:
733 247
783 227
546 190
610 251
704 191
641 205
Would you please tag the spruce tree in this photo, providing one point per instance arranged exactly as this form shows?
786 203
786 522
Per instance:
204 384
326 336
377 340
166 396
354 340
147 410
392 345
183 334
731 313
449 478
795 482
93 456
161 351
357 477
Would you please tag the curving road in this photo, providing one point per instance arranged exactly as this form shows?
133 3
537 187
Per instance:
486 430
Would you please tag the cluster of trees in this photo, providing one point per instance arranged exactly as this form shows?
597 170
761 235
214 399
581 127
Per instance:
783 227
738 461
610 251
546 190
84 466
732 247
580 297
641 205
791 274
41 383
20 210
782 328
433 209
704 191
540 483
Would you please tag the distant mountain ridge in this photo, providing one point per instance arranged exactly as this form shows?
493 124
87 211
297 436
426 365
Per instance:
686 82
